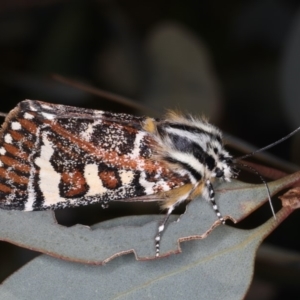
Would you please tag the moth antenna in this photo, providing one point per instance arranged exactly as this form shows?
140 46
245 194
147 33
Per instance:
255 171
269 146
2 114
264 182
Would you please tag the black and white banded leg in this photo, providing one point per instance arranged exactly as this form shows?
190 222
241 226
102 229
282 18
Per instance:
211 195
160 230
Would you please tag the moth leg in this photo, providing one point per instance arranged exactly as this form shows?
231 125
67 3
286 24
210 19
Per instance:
161 228
211 197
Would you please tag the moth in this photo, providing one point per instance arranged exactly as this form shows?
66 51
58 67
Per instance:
54 156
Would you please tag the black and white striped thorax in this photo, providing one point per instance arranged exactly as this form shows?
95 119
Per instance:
196 146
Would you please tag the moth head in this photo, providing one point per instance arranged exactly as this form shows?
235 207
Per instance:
225 168
197 146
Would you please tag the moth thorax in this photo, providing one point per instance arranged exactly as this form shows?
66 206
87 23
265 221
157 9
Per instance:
197 149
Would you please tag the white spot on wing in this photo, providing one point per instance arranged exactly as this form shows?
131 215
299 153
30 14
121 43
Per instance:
28 116
48 116
49 178
93 180
126 176
86 135
136 147
8 138
32 107
2 151
16 126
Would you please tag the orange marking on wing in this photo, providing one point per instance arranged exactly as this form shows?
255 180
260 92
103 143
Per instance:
5 189
3 173
13 176
28 125
74 182
109 179
14 163
16 135
18 179
15 151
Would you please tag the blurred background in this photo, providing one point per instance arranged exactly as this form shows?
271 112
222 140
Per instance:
236 62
